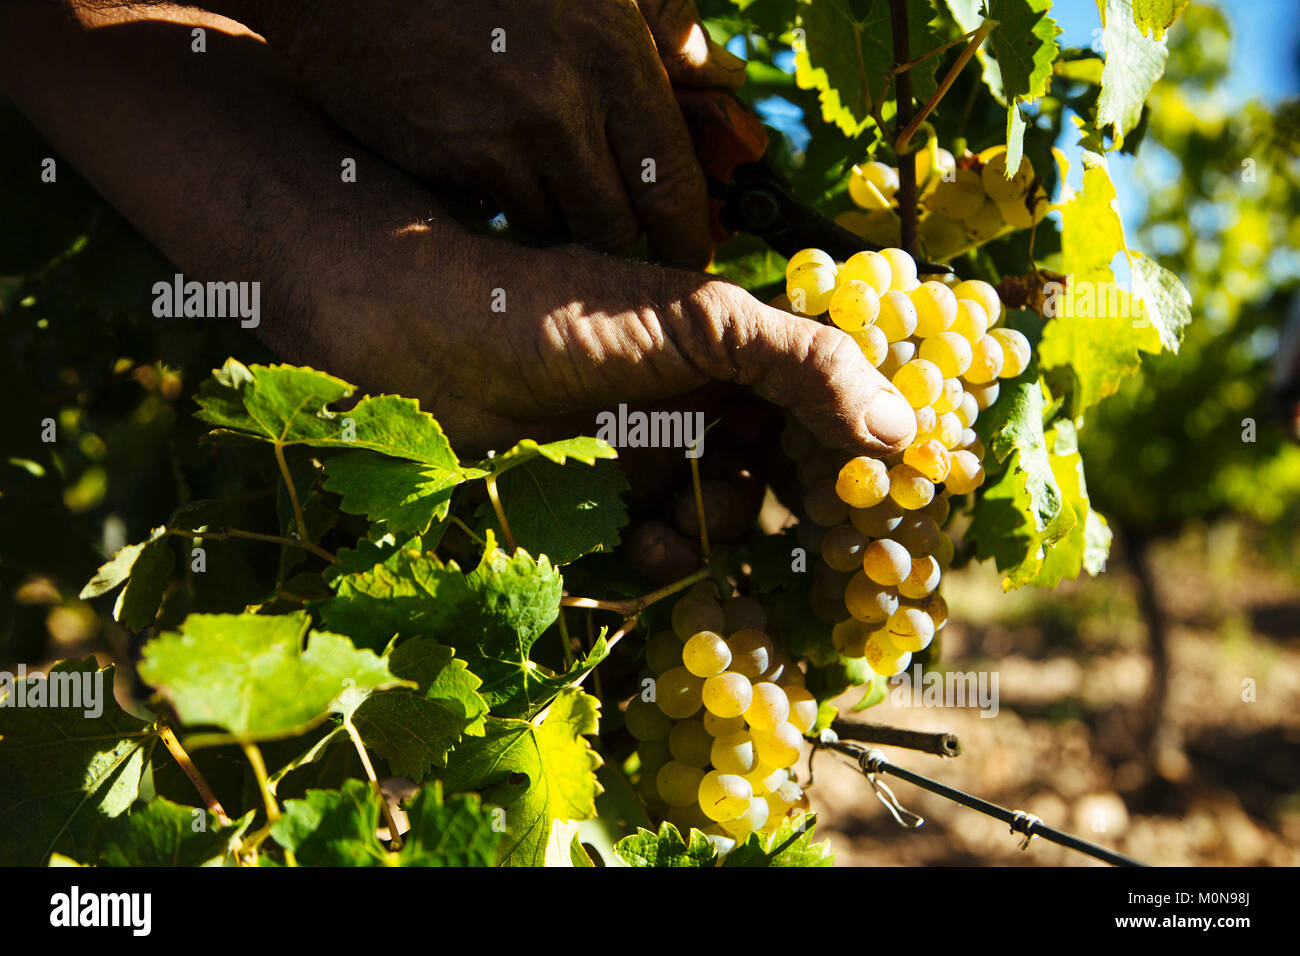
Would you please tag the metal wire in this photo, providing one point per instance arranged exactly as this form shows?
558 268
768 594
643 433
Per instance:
872 761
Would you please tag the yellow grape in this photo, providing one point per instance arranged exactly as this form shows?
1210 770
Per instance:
873 342
942 236
677 692
869 267
885 562
803 708
909 487
679 783
862 482
867 601
971 321
937 608
1015 349
727 695
850 637
950 352
903 268
853 305
753 820
690 743
1023 212
910 629
966 474
959 197
987 361
810 288
968 442
768 708
645 721
930 458
926 418
967 410
936 307
765 779
900 353
944 162
917 532
743 613
952 392
724 796
938 509
943 551
984 223
883 657
723 726
733 753
663 651
751 653
980 291
805 256
882 227
897 316
994 177
879 520
920 381
921 581
778 747
706 654
842 548
984 395
872 185
948 430
823 504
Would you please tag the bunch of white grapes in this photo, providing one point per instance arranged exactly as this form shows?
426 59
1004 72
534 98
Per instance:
723 727
963 204
877 523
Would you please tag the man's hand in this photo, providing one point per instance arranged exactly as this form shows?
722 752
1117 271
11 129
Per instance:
562 111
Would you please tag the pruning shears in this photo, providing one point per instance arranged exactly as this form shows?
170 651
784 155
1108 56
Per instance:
746 194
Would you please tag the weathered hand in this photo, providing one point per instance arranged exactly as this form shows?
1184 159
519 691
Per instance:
561 111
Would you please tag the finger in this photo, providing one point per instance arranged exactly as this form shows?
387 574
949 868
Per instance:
815 371
659 170
529 208
593 201
688 53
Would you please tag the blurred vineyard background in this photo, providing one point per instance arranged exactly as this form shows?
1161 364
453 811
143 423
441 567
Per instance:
1123 713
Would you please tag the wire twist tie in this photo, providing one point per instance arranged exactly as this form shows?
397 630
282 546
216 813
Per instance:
1022 822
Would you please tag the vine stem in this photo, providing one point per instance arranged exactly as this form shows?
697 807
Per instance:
630 607
614 638
268 797
395 839
933 53
491 482
293 492
256 536
902 119
699 507
976 38
178 753
468 530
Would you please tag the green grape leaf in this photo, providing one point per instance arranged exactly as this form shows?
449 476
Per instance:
666 848
415 729
493 614
826 682
146 568
1156 16
876 690
333 827
162 833
561 512
250 675
1166 303
1133 64
790 844
338 828
406 496
287 405
847 58
64 774
583 449
1024 42
539 773
1014 427
1087 544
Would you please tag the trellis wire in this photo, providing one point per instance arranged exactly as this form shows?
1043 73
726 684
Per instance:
872 761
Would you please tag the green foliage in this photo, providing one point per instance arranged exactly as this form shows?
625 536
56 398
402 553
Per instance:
790 844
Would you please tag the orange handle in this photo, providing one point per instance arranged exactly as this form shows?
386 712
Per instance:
725 134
